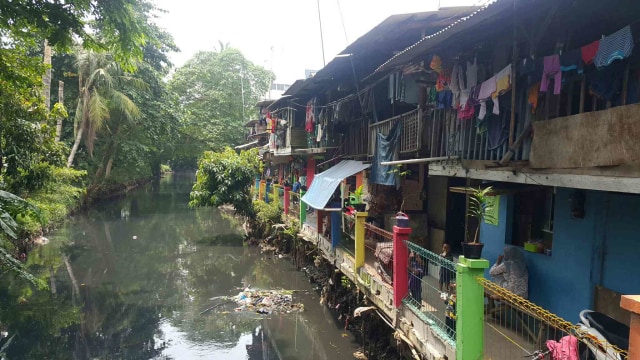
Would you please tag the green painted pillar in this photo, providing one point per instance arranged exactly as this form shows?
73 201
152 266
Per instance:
303 209
361 216
470 309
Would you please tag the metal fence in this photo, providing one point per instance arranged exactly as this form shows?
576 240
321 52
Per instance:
431 293
517 328
378 245
294 204
410 137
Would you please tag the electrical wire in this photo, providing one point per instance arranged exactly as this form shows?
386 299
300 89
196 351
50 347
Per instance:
344 29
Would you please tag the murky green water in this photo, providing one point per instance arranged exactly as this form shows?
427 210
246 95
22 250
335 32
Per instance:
131 278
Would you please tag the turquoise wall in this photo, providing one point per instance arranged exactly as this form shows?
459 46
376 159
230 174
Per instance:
600 249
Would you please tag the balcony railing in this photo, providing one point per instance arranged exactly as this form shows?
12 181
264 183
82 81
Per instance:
471 139
378 245
410 137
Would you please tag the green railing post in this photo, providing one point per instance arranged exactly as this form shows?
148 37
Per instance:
303 209
470 309
361 216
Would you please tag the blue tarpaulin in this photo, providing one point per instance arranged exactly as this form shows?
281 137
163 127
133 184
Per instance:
326 183
386 150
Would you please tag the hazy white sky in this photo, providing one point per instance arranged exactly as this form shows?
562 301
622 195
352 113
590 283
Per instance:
281 35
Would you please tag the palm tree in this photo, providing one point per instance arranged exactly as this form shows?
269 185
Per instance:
98 77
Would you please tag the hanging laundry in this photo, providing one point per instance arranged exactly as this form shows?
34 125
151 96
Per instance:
444 99
436 64
497 130
466 112
571 60
469 110
589 52
473 96
487 88
464 97
606 83
443 80
551 69
310 118
472 73
616 46
503 81
454 86
269 123
532 96
531 68
433 95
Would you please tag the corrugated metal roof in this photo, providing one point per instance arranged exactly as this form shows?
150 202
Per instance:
489 10
376 46
325 183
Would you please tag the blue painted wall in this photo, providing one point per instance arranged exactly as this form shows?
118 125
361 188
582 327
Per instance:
600 249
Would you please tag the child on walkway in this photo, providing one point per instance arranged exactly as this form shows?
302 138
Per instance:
446 274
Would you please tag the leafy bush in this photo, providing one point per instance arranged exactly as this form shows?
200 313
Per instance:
164 168
55 200
225 178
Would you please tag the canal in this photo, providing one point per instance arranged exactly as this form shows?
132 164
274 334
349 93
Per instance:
131 279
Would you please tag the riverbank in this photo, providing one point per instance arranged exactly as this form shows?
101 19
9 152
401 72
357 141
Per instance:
60 201
350 309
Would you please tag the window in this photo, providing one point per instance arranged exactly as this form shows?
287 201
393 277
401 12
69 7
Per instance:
533 217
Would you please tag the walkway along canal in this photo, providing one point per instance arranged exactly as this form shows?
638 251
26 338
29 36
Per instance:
131 278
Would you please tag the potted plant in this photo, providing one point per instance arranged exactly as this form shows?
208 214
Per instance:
355 199
478 209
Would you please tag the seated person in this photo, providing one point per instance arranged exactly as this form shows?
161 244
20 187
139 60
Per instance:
510 271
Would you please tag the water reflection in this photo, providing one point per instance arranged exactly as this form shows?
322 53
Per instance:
130 280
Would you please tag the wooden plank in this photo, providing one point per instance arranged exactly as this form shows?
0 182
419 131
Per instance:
600 138
603 183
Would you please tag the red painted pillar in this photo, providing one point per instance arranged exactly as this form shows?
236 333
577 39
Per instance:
311 171
400 264
286 200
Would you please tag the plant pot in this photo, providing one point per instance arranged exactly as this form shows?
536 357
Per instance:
472 250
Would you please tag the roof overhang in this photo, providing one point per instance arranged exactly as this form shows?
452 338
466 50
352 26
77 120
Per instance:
325 184
247 145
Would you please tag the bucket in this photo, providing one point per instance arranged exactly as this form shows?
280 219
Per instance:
402 220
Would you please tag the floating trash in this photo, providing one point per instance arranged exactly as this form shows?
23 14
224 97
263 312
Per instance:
266 301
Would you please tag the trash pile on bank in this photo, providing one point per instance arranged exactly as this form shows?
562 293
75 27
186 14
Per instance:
266 301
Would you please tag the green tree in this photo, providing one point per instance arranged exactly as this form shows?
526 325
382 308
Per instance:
210 92
226 177
98 78
117 26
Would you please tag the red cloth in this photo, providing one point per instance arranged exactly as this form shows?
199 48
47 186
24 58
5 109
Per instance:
565 349
466 112
310 119
589 52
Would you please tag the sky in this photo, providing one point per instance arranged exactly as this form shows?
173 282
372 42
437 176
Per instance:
281 35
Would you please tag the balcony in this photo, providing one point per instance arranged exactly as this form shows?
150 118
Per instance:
471 139
410 137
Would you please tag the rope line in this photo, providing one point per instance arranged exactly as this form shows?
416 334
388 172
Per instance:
547 317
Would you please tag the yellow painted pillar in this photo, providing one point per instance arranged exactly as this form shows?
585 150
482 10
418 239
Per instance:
263 187
276 193
361 216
